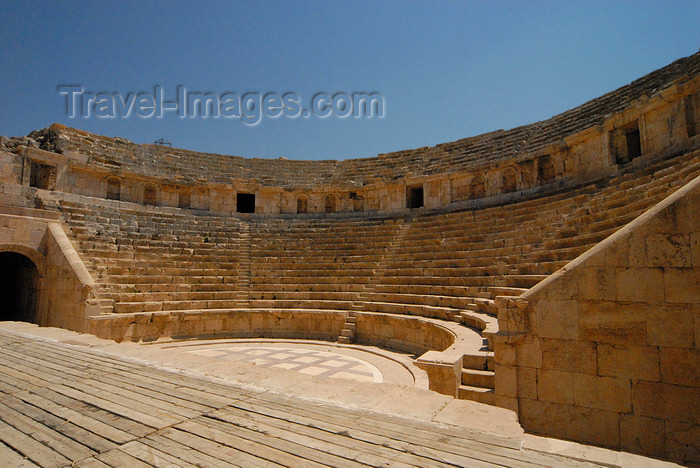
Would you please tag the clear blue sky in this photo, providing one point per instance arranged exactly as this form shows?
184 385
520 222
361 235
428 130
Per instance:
447 70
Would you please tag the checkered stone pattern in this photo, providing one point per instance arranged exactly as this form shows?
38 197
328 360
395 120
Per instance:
306 361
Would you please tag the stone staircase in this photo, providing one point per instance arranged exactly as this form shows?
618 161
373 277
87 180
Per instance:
243 285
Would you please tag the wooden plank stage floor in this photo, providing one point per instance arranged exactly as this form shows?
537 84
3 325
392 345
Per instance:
63 405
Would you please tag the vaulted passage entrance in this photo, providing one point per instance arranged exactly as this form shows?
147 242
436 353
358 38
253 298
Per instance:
19 280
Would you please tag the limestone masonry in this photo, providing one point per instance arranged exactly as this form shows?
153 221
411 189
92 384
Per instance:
552 269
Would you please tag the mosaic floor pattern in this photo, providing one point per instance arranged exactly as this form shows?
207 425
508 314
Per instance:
303 360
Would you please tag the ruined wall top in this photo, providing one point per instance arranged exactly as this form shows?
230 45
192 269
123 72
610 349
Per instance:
516 144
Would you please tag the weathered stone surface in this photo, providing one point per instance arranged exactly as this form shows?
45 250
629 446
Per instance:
642 435
634 362
555 386
557 319
587 425
607 393
569 355
611 322
680 366
666 401
682 285
670 325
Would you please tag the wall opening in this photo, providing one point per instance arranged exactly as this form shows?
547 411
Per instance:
19 284
302 204
477 188
625 143
114 188
509 182
331 202
42 176
414 197
358 202
545 170
183 198
634 143
245 202
150 194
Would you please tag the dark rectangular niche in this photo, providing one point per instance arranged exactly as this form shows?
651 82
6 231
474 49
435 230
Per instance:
414 197
42 176
626 143
245 202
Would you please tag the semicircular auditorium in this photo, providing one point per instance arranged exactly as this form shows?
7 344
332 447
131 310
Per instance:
552 269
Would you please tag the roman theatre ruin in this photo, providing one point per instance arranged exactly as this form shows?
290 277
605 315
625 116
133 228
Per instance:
551 269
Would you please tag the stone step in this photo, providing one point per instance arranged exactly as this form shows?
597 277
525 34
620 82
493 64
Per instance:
486 306
506 291
523 281
478 378
478 394
478 320
478 360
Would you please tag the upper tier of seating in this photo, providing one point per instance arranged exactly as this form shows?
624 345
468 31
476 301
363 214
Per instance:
502 145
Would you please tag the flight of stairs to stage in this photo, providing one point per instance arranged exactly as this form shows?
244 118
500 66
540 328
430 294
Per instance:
243 289
363 300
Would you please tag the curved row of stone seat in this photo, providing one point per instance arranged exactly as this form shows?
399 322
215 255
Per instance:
150 259
448 266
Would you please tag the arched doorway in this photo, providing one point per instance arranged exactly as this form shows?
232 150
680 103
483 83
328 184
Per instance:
19 280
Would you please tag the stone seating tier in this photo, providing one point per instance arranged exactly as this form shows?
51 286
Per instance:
448 266
410 264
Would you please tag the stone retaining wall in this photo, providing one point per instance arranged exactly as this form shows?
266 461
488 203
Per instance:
605 351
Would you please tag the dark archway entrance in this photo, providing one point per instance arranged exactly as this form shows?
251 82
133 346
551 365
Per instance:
19 281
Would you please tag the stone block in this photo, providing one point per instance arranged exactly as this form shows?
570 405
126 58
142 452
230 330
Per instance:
683 442
529 353
527 382
634 362
507 403
611 322
642 435
666 401
674 219
668 250
507 381
607 393
504 353
587 425
680 366
568 355
555 386
597 283
682 285
670 325
556 319
639 285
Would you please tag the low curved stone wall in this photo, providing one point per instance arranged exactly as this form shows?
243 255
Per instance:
273 323
415 335
440 345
